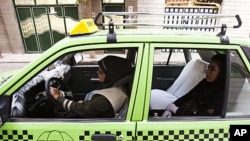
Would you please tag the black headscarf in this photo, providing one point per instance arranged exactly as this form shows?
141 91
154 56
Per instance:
220 60
205 92
114 68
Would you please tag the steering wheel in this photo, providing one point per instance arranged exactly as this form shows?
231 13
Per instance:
56 83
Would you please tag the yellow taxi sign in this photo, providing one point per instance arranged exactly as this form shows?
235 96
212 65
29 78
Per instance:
85 26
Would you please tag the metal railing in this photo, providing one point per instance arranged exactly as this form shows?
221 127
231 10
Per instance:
183 22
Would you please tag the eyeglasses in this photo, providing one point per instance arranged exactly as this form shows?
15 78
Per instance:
100 72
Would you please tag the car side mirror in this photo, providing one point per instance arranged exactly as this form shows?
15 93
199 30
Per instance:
78 58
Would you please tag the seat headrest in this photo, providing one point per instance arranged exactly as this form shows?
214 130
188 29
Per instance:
123 80
126 79
191 75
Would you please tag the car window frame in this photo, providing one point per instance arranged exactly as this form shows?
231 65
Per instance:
63 52
193 46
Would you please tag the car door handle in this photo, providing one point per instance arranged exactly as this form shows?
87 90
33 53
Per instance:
103 137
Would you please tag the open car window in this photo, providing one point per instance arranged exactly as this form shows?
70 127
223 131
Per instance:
165 56
238 98
178 73
78 72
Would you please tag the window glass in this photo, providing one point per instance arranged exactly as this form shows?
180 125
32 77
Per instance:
91 57
239 98
174 79
168 64
80 73
173 56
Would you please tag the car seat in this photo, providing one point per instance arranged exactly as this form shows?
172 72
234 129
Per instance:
191 75
128 82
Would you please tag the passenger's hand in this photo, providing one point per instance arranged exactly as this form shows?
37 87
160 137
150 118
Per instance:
167 114
80 101
172 108
55 92
210 111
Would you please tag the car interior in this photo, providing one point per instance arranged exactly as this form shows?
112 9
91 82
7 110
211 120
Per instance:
79 78
74 74
180 80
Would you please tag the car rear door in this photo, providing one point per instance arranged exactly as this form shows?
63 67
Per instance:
154 127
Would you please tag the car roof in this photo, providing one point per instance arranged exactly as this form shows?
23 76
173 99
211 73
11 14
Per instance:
161 35
141 32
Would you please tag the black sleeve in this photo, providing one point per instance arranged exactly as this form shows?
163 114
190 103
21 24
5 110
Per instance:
187 104
189 108
215 105
181 112
183 99
189 94
183 105
98 107
211 107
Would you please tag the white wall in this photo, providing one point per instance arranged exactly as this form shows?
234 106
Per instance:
228 7
154 6
242 8
151 6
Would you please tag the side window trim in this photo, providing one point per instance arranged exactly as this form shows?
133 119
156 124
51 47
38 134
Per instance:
227 80
246 51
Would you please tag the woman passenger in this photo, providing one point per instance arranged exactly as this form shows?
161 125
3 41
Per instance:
206 98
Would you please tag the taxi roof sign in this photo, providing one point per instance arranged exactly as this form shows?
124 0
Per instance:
85 26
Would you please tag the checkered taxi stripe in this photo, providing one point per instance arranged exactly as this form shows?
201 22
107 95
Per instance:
183 135
161 135
15 135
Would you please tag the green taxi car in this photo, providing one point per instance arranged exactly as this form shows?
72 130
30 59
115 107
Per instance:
160 54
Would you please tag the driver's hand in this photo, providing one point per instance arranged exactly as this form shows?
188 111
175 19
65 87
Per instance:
55 92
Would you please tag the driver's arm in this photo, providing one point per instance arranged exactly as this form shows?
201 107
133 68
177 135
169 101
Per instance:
97 107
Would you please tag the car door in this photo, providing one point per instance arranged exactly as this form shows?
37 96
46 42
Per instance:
179 128
76 129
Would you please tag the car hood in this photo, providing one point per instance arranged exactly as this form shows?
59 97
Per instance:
4 77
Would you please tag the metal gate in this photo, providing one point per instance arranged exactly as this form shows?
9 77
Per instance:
190 20
43 24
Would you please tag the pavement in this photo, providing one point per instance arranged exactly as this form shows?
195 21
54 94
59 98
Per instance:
9 61
17 58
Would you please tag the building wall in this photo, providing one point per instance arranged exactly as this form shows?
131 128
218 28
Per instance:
240 7
129 3
10 37
96 7
156 6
